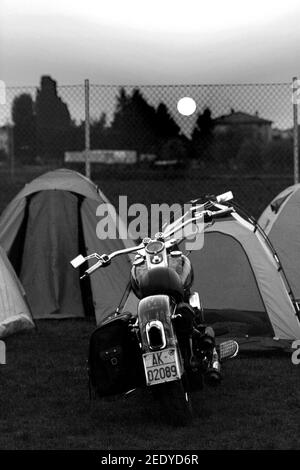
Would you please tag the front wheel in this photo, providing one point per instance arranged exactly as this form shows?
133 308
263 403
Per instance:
175 401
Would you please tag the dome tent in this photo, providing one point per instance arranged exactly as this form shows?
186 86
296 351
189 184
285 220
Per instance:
47 224
15 315
240 282
281 222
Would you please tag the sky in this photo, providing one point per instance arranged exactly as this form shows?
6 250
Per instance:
149 42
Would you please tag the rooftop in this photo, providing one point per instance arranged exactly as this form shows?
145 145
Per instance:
239 117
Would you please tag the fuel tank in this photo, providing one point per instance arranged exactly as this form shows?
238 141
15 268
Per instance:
174 280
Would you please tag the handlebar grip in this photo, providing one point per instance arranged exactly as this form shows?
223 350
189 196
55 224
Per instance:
225 197
92 269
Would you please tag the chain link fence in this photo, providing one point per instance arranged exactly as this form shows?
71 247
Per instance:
240 138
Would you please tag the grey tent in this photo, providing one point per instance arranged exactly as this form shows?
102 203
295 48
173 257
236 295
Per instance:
281 222
15 314
240 282
48 223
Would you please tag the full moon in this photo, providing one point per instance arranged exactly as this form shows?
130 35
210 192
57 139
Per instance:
186 106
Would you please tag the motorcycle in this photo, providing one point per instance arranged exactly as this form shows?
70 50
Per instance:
164 345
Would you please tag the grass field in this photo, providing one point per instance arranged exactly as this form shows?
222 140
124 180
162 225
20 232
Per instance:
44 402
44 399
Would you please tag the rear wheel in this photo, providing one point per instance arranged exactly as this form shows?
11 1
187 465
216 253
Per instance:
175 401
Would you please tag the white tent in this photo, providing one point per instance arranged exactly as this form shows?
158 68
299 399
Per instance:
281 222
47 224
239 280
14 312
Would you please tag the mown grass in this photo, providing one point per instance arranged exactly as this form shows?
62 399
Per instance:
45 403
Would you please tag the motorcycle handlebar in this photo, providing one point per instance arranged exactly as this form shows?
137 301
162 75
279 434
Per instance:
105 260
92 269
225 197
223 212
207 215
218 214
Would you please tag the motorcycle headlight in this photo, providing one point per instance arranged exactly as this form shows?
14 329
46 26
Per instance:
156 259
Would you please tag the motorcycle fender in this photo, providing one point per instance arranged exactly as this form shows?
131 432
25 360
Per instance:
155 312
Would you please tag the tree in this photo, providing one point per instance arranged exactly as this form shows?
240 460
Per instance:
53 121
202 136
167 131
165 125
24 133
236 146
277 156
99 131
133 126
76 136
249 156
175 148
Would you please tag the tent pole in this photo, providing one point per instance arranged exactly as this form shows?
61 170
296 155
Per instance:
295 130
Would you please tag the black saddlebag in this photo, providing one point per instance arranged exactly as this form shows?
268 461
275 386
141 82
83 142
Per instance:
115 360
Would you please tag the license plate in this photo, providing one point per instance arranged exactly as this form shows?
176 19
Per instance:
161 366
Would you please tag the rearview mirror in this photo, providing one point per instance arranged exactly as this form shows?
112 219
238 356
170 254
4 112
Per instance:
78 261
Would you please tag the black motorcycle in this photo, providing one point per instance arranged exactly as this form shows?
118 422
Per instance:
164 346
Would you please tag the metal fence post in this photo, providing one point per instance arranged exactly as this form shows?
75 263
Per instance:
11 148
87 128
295 131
